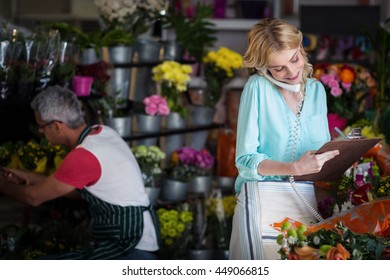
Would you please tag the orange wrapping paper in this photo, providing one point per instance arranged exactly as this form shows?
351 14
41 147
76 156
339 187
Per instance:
370 217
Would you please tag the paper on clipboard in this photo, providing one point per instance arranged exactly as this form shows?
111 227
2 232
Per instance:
351 150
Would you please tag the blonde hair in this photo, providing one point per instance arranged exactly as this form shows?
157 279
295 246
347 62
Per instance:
271 35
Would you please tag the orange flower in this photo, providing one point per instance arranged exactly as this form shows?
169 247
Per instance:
318 73
307 253
347 75
338 253
175 158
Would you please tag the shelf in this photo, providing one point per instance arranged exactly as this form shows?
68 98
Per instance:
138 136
147 64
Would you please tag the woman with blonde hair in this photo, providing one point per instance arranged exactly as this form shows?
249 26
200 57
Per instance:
282 121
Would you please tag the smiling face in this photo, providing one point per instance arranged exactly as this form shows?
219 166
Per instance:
287 66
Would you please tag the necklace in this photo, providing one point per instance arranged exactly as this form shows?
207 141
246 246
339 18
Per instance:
84 134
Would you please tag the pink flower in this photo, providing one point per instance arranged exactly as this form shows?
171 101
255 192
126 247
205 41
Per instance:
326 78
163 109
336 91
151 109
333 83
346 86
156 105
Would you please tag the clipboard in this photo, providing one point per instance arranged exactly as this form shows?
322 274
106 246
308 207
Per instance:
351 150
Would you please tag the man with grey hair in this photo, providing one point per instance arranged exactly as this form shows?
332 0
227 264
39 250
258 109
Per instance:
101 169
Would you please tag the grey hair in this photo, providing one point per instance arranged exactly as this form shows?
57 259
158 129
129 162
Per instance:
60 104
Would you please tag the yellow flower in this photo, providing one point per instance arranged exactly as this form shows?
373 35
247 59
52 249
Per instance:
173 78
220 66
172 232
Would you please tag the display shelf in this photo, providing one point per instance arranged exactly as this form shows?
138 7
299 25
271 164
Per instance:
147 64
165 132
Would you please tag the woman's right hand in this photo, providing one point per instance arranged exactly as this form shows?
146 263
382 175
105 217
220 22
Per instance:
310 162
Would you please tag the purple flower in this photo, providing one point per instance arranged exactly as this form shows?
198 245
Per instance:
325 207
201 159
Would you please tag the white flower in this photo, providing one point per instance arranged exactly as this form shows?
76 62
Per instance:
346 206
130 14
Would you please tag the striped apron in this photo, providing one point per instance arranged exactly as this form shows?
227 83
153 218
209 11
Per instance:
116 229
260 204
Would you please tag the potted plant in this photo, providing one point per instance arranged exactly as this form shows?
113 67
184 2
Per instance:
219 67
380 42
346 86
149 118
149 160
114 112
123 21
194 34
185 165
175 227
172 77
220 210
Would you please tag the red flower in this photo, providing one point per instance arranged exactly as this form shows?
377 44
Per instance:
360 195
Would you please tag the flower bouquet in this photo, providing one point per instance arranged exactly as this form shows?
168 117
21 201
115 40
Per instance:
149 160
219 67
337 243
125 20
186 163
156 105
361 183
346 86
173 78
220 210
175 226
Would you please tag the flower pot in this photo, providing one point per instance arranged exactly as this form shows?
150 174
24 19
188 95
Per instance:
200 185
173 50
120 79
153 194
201 254
225 183
121 124
173 191
89 56
148 124
173 142
199 115
145 51
221 254
81 85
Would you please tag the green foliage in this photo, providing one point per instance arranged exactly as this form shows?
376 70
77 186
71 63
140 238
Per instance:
386 124
25 72
365 246
380 41
110 106
117 36
194 34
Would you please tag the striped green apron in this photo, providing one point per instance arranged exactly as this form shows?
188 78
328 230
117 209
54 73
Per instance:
116 229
